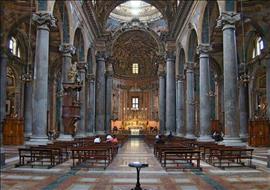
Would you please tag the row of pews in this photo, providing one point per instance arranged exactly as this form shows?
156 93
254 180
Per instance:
83 152
179 152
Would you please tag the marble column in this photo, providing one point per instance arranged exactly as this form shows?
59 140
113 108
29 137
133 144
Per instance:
227 22
190 101
67 50
170 93
100 94
91 106
180 124
162 96
81 130
109 85
205 102
3 82
243 107
268 87
39 130
28 109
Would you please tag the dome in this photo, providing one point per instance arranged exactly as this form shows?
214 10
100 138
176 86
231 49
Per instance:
135 9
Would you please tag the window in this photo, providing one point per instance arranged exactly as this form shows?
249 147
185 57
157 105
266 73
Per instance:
135 103
135 68
14 48
258 47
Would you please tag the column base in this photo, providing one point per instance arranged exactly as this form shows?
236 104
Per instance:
244 137
232 141
27 136
205 138
100 133
80 135
90 134
190 136
34 140
180 135
64 137
268 159
2 156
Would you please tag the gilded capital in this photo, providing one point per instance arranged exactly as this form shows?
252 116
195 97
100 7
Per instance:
67 49
179 77
44 19
204 49
227 18
101 55
190 65
170 55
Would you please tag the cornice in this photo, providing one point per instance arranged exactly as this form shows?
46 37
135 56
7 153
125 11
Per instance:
182 12
91 18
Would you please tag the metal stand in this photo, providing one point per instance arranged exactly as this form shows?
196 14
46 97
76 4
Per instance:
138 167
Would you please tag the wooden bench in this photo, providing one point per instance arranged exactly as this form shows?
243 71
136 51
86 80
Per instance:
94 154
182 155
230 155
32 155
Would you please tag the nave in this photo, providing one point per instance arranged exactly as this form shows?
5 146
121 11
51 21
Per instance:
118 176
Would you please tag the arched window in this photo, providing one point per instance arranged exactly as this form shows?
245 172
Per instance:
135 68
14 47
258 46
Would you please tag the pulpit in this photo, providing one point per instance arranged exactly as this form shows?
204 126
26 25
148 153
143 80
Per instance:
259 133
71 107
13 131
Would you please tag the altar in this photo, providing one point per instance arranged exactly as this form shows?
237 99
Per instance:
135 131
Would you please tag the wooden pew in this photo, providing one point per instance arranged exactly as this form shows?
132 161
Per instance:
182 155
92 154
32 155
232 156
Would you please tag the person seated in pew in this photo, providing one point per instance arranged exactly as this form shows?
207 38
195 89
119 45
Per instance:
109 138
170 136
159 140
114 139
97 139
218 136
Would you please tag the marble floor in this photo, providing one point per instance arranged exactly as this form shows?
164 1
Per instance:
118 176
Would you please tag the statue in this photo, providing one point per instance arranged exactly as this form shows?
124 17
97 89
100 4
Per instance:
73 72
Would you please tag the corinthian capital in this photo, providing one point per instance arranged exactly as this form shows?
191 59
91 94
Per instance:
170 55
204 48
44 19
67 48
227 18
101 55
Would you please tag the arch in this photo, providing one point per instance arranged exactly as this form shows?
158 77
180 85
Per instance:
21 38
117 3
192 45
79 44
90 60
181 61
230 5
41 5
208 21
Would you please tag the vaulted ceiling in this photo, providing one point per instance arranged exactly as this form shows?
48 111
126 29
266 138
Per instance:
135 46
103 8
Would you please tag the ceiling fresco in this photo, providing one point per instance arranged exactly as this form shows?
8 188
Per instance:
135 46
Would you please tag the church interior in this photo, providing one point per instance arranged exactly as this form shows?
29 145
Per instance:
135 94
